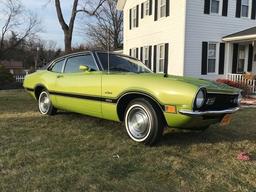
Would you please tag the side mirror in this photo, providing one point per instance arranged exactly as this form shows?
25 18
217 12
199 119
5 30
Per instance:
84 68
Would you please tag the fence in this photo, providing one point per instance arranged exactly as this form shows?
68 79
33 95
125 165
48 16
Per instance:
19 78
240 79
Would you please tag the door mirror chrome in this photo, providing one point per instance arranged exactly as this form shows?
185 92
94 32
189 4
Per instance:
84 68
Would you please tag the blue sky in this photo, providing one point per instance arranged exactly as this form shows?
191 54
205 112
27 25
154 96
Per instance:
47 14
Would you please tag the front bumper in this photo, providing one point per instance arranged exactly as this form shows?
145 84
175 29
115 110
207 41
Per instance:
208 113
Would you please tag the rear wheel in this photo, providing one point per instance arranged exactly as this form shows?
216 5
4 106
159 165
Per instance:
143 122
45 105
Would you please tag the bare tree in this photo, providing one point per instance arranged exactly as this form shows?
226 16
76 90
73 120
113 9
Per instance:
16 20
108 30
68 28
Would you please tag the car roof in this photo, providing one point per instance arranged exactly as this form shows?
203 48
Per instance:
84 52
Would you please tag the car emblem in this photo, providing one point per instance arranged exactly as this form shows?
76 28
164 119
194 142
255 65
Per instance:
210 101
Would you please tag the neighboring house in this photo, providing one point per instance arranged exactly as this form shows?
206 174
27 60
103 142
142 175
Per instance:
200 38
15 67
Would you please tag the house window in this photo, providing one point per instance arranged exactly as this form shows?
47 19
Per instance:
160 58
162 8
134 53
215 5
212 53
134 17
146 10
245 8
146 56
241 59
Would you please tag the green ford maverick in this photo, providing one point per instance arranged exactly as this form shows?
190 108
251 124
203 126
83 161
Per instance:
120 88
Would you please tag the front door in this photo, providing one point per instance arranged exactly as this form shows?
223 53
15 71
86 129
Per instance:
79 91
241 59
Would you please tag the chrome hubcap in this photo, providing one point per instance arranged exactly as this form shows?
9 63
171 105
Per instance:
138 123
44 103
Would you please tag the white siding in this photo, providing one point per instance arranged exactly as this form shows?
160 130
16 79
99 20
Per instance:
166 30
201 27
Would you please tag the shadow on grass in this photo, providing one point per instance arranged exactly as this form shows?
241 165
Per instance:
213 135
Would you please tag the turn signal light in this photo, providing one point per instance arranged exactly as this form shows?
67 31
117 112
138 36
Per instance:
170 109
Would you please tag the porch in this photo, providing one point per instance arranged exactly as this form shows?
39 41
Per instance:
241 57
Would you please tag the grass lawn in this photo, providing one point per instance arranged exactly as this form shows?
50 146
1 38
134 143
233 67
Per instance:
71 152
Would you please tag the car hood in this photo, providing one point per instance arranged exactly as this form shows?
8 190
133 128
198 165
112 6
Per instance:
210 85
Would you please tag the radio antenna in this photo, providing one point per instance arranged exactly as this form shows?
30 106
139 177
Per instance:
108 49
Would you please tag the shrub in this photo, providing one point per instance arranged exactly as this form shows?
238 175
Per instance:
246 90
5 75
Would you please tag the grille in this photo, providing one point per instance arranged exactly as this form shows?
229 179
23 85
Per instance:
220 102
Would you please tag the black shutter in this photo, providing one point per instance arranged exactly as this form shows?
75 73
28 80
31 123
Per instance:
204 58
167 8
150 7
155 59
222 58
238 8
206 6
130 53
235 57
141 54
130 19
137 16
137 53
142 10
225 8
250 58
166 58
253 9
156 10
150 57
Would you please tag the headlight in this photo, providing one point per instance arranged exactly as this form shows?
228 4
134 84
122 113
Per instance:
200 99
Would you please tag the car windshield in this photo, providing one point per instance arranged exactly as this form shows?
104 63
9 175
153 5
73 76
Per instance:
121 63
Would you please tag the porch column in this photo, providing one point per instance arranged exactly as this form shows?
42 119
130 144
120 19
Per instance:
228 58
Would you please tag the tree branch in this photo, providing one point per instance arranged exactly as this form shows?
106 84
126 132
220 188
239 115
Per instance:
60 15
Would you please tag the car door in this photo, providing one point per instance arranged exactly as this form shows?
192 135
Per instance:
80 91
50 77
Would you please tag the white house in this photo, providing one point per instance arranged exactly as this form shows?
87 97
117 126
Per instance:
200 38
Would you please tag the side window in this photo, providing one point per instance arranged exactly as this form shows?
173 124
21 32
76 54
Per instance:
57 67
73 64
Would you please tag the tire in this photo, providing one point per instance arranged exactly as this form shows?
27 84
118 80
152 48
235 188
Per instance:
45 105
143 122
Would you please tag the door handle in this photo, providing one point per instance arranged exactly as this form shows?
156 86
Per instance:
59 76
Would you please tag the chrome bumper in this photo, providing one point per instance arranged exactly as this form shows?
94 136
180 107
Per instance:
202 113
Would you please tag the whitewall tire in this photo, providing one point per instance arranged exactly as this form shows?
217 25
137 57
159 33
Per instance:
142 122
45 105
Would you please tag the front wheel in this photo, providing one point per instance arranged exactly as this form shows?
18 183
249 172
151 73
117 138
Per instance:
143 122
45 105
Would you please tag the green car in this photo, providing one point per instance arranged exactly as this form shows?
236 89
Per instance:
120 88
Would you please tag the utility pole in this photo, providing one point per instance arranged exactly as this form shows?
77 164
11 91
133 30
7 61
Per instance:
36 58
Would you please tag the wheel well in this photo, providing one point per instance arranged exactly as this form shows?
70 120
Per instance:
125 100
38 90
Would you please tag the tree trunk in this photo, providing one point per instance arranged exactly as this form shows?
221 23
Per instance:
68 42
